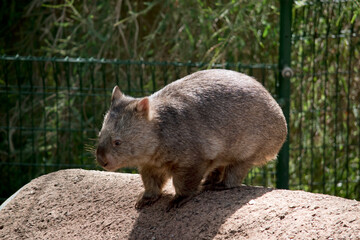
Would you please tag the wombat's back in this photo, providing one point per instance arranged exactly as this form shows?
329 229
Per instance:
223 114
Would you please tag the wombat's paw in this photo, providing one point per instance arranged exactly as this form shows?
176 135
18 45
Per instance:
146 201
216 187
177 202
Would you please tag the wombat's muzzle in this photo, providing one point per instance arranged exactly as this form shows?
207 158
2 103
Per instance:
100 156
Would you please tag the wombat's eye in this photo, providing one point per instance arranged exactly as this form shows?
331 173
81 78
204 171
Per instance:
117 142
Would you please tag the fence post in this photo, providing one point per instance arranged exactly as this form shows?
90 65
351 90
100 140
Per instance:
285 73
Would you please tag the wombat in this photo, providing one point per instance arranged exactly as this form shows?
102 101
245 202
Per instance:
205 131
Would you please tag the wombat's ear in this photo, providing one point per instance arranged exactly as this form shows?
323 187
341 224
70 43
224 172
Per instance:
143 106
116 94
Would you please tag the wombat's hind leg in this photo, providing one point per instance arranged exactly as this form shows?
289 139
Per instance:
153 182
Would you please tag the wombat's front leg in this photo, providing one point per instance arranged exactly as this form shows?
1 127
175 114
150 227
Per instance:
153 180
178 201
213 178
229 177
186 182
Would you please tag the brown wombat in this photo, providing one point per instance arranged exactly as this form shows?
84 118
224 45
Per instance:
205 130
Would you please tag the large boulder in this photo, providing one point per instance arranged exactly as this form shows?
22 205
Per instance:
81 204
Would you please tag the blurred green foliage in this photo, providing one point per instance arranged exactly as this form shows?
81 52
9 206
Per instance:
181 30
54 109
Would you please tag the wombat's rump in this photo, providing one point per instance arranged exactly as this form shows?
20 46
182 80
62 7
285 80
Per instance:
204 130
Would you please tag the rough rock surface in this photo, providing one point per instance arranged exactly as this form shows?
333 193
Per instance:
80 204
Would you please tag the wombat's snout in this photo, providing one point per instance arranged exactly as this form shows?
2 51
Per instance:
100 156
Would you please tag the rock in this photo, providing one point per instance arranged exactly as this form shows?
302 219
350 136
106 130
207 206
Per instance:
101 206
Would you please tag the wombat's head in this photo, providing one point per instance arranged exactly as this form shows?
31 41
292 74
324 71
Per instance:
127 137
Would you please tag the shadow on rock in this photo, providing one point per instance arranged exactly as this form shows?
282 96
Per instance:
200 218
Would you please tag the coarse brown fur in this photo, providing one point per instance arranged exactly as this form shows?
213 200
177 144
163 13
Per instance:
204 130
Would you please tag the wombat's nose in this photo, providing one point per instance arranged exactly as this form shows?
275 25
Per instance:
100 156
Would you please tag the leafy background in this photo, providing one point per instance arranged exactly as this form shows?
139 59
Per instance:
53 108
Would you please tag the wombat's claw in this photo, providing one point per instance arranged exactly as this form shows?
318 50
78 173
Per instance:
177 202
144 201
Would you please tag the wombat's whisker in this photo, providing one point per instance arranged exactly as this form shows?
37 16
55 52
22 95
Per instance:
90 148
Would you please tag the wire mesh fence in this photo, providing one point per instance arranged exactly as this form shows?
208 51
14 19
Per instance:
53 108
325 135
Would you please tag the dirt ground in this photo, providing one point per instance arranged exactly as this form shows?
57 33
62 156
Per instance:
81 204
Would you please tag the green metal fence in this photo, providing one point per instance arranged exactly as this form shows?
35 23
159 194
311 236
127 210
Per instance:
325 98
52 108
